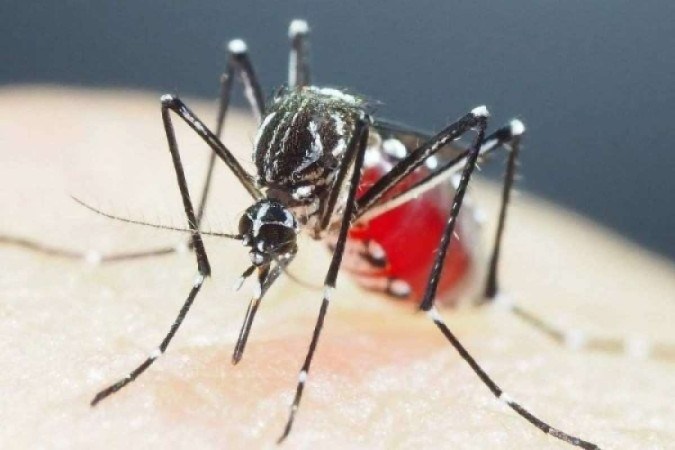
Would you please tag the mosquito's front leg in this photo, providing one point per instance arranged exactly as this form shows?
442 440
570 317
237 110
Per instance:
170 104
358 149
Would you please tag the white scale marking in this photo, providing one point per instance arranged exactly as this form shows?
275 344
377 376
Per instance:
376 251
480 111
575 339
431 162
637 347
341 144
503 302
181 248
317 145
199 279
156 353
273 141
237 46
303 376
257 220
400 288
395 148
517 127
336 94
297 26
372 157
93 257
434 315
289 220
256 258
506 398
263 125
303 192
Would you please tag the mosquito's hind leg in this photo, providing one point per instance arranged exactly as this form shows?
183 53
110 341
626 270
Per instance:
512 143
476 119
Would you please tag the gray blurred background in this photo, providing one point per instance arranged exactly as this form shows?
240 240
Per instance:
592 80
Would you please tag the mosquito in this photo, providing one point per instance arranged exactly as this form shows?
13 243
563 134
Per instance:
327 167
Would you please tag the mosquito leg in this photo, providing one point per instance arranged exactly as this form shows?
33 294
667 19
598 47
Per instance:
203 267
298 61
517 130
417 157
496 141
38 247
511 136
92 257
360 140
428 306
172 103
498 392
472 158
239 63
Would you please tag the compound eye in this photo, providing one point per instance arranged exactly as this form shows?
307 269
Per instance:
277 238
245 225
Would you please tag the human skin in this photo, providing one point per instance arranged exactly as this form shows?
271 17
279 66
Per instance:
383 375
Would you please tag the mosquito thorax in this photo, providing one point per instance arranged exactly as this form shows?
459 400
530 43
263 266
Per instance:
270 229
301 143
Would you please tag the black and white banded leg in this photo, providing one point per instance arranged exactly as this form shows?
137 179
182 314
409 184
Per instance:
358 144
429 307
633 346
169 104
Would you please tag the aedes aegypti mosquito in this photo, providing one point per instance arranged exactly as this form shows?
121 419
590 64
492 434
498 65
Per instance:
309 155
326 167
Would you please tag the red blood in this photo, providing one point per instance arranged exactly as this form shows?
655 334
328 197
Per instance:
409 235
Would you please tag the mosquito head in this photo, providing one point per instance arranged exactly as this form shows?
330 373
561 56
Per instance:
270 229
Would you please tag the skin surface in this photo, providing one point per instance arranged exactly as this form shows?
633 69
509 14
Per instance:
383 376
